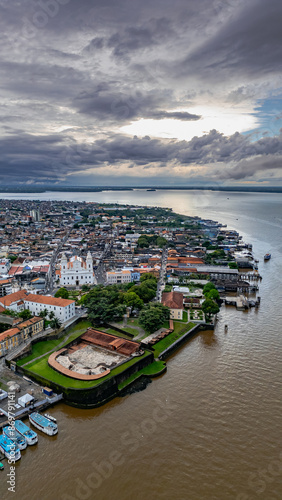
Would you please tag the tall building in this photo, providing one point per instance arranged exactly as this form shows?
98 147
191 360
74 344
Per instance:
35 214
76 271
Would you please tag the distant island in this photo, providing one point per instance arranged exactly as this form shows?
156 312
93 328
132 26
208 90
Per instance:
94 189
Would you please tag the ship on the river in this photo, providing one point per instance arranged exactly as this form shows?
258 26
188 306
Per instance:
44 424
15 436
26 432
9 448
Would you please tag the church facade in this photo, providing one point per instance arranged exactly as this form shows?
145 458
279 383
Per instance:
76 271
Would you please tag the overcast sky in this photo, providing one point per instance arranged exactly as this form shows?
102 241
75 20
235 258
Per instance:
151 92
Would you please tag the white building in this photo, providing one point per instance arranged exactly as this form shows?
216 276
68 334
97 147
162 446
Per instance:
77 271
63 309
5 265
123 276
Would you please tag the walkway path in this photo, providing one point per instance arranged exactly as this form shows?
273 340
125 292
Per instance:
59 346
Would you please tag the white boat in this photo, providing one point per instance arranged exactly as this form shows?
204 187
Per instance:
30 436
47 415
43 423
15 436
9 448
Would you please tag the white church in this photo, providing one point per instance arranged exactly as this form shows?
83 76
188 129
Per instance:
77 271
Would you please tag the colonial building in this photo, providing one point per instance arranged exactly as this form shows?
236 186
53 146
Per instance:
63 309
76 271
173 300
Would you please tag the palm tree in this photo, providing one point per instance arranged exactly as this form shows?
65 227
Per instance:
55 323
43 314
51 315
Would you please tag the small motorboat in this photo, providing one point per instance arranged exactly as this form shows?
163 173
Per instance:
47 415
267 256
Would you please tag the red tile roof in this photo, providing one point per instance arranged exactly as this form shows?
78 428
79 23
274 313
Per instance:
173 300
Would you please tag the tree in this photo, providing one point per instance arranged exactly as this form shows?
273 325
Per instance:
153 316
209 308
105 304
55 323
51 315
63 293
161 242
44 313
148 276
144 292
133 300
233 265
25 314
213 294
208 287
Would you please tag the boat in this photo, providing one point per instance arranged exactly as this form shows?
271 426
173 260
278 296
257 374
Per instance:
15 436
267 256
1 466
47 415
30 436
9 448
43 423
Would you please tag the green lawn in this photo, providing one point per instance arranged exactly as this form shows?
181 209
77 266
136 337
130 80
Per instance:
48 345
152 370
42 368
133 321
179 331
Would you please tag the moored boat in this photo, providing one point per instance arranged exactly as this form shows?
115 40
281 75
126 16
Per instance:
15 436
43 423
47 415
30 436
9 448
267 256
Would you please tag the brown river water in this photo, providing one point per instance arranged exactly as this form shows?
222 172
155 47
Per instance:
209 428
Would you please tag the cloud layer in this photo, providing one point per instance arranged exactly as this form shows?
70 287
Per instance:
74 73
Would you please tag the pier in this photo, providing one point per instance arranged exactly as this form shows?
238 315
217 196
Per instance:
38 406
241 302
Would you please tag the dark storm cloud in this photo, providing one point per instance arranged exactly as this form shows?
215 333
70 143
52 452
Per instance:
90 67
250 44
58 156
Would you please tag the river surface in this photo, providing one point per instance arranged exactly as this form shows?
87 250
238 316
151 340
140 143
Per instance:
208 429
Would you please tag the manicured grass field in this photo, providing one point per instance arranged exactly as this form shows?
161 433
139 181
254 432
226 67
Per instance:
179 330
48 345
42 368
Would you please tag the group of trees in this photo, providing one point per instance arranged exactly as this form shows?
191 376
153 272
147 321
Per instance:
109 303
62 293
210 305
55 323
153 316
145 241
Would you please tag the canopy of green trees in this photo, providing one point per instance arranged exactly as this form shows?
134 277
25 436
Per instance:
153 316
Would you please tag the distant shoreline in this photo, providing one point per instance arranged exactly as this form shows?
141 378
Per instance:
99 189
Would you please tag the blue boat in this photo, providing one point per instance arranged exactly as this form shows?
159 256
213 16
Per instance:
9 448
15 436
267 256
26 432
44 424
